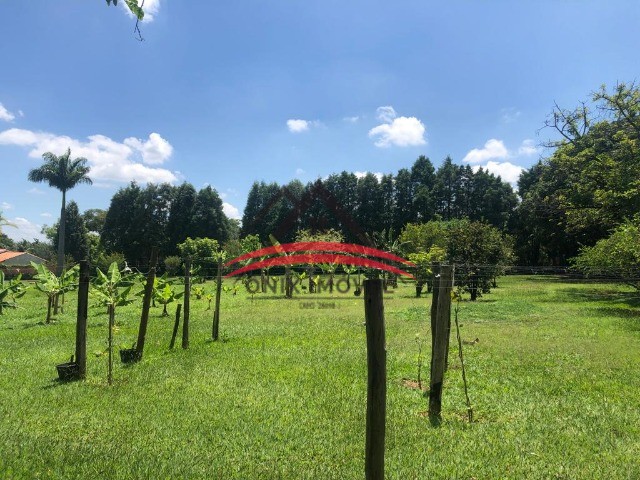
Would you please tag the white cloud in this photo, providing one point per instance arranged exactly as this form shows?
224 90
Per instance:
151 9
378 175
298 125
5 114
231 211
5 206
507 171
21 113
493 149
23 229
351 119
35 191
386 114
402 132
300 171
528 148
109 160
154 151
47 215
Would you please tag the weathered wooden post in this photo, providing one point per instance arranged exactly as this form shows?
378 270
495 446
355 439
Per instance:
435 290
376 380
438 355
216 313
146 302
187 309
112 313
81 320
175 327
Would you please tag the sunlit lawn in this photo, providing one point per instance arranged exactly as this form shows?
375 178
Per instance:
554 381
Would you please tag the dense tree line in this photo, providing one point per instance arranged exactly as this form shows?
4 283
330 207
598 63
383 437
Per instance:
161 215
357 206
586 191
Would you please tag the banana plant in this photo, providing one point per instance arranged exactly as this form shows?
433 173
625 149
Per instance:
198 292
10 291
52 285
112 290
349 270
164 293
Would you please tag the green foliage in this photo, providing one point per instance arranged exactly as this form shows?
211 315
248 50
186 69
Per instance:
113 288
198 292
617 256
480 251
589 184
200 249
52 285
172 264
10 291
133 6
330 235
165 293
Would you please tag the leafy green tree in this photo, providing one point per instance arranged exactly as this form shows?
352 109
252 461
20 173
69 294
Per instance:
180 216
62 173
137 221
203 252
370 203
172 264
208 220
423 183
591 181
403 212
76 242
6 242
424 262
480 251
94 219
617 256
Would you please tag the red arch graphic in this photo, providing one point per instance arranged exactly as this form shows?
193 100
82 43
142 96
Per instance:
318 258
320 246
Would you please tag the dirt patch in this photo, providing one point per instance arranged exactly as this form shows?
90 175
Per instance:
412 384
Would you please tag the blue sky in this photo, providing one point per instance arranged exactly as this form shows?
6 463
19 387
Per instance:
226 93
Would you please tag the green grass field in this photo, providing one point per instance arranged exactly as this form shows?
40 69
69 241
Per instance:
554 381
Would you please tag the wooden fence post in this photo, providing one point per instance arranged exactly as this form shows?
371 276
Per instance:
175 327
435 290
216 313
81 320
439 352
146 302
376 380
187 309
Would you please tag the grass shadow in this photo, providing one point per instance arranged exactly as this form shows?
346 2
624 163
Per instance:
630 299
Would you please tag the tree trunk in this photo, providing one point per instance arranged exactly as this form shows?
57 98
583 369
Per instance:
49 304
61 232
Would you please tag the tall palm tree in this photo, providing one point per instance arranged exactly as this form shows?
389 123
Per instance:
64 174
